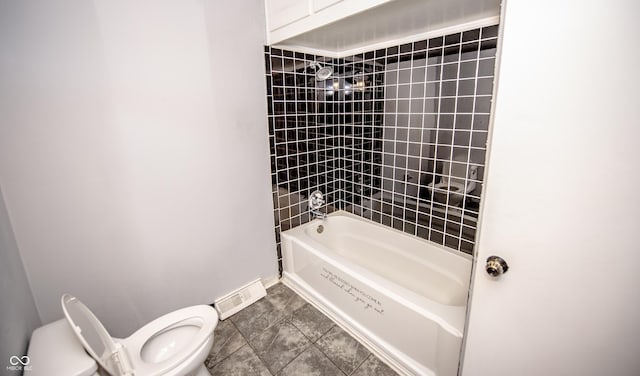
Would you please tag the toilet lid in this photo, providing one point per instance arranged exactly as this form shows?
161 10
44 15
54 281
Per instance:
94 337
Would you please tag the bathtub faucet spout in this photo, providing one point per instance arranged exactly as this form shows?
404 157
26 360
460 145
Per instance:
319 214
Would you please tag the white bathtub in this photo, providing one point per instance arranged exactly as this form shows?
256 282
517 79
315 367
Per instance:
403 297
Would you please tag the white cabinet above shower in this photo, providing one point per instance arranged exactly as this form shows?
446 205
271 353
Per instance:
343 27
284 12
287 18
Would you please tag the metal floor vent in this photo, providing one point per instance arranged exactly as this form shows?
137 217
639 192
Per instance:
239 299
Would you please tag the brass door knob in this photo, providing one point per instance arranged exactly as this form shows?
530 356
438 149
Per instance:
496 266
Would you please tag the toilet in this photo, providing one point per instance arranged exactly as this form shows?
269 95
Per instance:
455 183
175 344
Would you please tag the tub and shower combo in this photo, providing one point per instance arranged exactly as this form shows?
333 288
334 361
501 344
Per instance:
403 297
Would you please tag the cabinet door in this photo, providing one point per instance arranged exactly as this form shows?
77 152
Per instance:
284 12
321 4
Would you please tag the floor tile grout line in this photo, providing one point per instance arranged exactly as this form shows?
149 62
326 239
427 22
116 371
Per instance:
284 318
233 352
323 354
357 341
253 349
247 343
305 349
297 356
321 335
361 363
326 356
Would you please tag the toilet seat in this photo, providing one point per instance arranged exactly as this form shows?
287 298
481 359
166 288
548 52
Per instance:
172 366
451 186
458 180
190 340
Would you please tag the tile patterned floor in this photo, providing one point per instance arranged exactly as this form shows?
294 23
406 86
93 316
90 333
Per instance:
282 335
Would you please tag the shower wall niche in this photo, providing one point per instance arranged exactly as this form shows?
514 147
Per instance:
379 134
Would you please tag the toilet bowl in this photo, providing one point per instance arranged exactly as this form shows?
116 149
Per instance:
175 344
456 183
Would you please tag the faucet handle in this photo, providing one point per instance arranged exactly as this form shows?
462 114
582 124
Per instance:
316 200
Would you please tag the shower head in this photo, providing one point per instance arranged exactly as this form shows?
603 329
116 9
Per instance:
322 73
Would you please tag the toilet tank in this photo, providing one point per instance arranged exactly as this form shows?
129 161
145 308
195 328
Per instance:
55 350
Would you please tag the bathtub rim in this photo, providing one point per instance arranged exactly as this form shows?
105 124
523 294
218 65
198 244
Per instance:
344 213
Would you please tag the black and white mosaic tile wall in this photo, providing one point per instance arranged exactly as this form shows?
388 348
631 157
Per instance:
397 135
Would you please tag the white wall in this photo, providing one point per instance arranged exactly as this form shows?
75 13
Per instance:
133 152
18 314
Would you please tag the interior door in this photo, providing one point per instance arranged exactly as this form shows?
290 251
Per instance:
561 202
